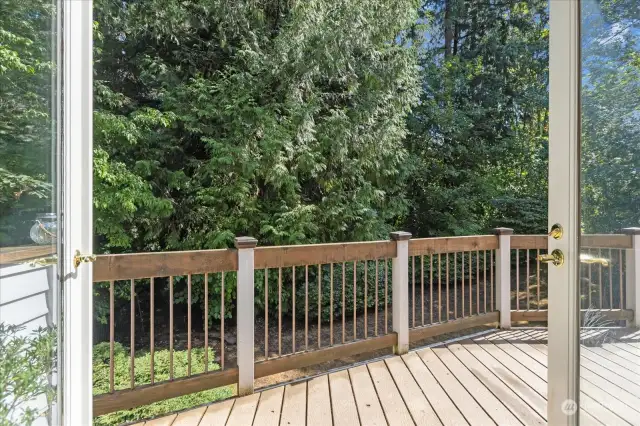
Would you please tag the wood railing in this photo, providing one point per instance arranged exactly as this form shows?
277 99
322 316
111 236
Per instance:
451 280
331 301
605 290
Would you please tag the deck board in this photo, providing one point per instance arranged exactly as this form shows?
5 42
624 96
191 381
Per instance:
294 406
162 421
217 414
269 406
496 378
319 402
189 418
394 407
367 401
492 405
243 410
421 411
471 410
343 403
533 393
445 408
509 397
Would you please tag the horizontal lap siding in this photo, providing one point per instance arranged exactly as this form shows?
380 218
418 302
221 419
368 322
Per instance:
26 299
26 296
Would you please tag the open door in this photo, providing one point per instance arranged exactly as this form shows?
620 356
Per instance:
564 178
76 195
46 102
594 191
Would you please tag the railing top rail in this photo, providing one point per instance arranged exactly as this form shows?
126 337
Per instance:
321 254
613 241
617 241
162 264
421 246
113 267
529 242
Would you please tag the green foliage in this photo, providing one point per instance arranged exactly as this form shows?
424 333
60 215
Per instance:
26 116
279 120
478 137
307 288
143 376
27 363
285 123
610 125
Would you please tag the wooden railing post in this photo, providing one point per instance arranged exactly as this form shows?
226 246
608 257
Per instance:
503 275
633 274
400 288
246 317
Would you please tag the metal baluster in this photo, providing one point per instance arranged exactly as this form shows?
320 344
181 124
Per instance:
331 305
206 322
538 280
279 311
376 307
355 335
293 313
112 337
319 305
344 271
171 328
366 324
222 321
133 336
439 287
189 325
455 285
266 313
517 279
152 332
447 285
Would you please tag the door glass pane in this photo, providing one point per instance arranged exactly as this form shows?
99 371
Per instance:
610 197
28 220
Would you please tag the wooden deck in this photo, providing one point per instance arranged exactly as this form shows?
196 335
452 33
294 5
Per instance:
498 378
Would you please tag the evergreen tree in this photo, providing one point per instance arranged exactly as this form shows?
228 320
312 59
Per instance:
280 120
478 143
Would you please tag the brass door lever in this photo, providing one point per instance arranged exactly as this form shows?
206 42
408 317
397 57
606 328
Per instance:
556 258
587 258
83 258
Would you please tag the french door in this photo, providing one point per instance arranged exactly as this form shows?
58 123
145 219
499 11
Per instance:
564 210
76 194
594 196
46 102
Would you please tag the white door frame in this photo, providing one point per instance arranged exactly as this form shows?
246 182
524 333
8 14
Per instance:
564 208
76 219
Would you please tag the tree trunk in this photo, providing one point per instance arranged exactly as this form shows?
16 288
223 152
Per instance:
448 29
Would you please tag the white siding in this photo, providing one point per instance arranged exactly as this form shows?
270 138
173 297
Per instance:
27 298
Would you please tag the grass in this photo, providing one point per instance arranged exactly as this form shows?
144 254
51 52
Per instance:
143 376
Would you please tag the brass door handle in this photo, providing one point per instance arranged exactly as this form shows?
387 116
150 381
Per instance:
43 261
83 258
587 258
556 258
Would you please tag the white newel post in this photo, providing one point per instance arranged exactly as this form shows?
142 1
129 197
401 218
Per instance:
503 275
633 274
245 246
400 288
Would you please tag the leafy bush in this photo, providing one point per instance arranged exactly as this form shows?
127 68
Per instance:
27 362
143 376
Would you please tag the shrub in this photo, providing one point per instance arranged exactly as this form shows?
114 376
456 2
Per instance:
27 362
143 376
